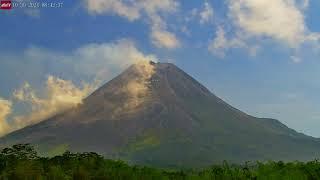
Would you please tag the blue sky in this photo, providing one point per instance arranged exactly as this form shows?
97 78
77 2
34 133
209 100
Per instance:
261 57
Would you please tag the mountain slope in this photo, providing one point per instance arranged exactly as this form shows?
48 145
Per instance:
156 114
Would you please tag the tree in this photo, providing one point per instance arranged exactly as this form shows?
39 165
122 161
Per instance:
20 151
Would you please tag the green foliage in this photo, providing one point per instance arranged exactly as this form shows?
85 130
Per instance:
21 162
20 151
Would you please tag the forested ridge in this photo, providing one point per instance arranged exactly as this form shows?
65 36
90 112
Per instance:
22 162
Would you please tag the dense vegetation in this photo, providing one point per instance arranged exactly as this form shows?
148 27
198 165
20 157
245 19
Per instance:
21 162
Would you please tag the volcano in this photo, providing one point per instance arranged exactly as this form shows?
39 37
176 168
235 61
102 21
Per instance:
156 114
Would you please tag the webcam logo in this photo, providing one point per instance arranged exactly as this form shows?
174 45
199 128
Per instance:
5 5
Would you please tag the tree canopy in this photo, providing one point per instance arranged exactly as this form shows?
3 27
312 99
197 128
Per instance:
22 162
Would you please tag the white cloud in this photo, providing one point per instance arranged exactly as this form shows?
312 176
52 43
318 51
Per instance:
281 20
191 15
164 39
134 9
5 110
101 59
95 60
35 13
304 4
185 30
58 96
155 6
206 15
118 7
296 59
160 36
220 44
278 20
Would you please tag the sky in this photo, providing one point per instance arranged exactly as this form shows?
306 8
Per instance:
260 56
